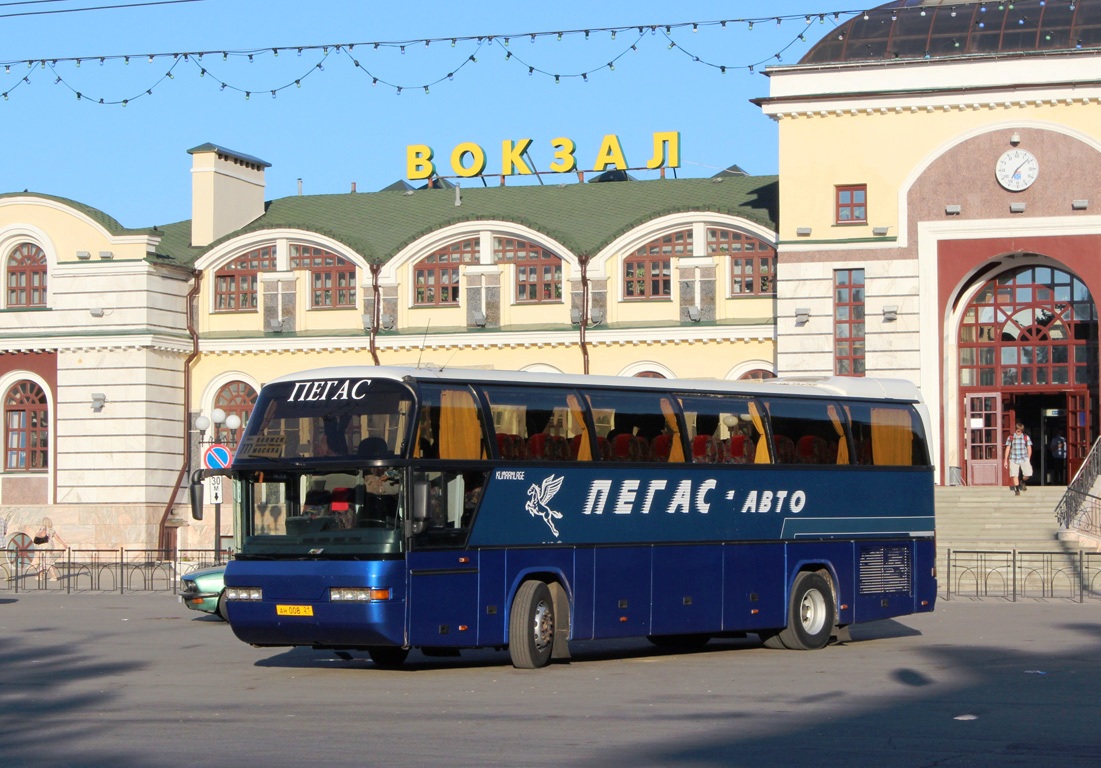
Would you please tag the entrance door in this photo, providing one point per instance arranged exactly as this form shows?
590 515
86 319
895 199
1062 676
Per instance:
1078 431
1030 334
984 427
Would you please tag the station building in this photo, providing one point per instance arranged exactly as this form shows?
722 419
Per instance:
116 341
934 219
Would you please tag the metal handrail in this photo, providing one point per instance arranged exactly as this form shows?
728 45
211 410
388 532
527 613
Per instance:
1068 512
1082 511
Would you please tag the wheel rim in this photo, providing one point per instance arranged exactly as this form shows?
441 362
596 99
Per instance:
812 612
542 626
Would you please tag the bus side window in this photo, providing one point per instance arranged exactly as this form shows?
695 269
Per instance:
888 435
444 505
450 424
807 431
722 429
539 424
637 426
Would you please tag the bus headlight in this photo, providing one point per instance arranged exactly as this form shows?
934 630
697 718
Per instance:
244 593
358 594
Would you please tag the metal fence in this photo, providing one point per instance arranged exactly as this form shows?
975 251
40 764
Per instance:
991 574
100 570
1010 574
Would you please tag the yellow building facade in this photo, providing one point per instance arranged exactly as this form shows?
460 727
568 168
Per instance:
939 193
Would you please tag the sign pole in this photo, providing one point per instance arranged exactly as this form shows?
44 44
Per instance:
218 532
217 456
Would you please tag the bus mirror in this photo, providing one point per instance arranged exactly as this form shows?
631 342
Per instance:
196 491
421 491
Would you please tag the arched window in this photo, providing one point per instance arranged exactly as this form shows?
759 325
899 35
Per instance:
436 276
26 424
27 276
757 374
752 262
648 375
236 284
236 398
332 277
1029 327
538 271
648 272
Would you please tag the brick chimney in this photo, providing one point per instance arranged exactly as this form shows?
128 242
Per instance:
227 191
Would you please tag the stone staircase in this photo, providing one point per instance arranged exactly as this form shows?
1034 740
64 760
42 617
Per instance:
989 518
995 518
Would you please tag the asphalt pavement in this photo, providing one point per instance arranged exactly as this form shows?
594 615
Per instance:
137 680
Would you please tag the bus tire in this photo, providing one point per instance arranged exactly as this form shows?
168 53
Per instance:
811 614
387 656
531 626
771 639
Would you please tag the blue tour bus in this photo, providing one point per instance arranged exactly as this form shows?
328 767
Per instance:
383 509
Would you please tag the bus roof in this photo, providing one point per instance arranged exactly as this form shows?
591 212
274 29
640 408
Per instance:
810 386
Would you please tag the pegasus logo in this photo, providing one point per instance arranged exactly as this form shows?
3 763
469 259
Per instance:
538 498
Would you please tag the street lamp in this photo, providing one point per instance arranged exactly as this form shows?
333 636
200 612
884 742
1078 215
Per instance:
232 423
218 418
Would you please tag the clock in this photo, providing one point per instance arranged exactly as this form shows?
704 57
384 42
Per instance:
1017 169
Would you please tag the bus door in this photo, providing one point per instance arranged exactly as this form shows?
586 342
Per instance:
443 575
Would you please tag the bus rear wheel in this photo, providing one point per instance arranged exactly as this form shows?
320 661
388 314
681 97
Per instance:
811 614
531 626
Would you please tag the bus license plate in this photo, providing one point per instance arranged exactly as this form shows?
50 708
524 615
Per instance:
294 610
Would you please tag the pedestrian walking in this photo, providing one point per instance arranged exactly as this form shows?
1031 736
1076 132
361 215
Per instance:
1018 459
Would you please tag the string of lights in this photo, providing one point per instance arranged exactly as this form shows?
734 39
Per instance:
114 7
778 57
533 69
353 52
199 58
398 88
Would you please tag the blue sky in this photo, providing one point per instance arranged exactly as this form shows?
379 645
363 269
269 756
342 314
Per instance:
338 128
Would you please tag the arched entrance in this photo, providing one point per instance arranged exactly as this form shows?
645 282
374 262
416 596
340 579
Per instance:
1028 352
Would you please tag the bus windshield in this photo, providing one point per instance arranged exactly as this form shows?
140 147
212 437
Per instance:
318 470
340 513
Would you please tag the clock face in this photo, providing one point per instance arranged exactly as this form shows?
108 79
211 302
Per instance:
1017 169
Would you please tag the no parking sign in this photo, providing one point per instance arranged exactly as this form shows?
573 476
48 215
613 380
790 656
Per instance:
217 456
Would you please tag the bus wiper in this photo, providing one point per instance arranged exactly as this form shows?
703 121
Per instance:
280 462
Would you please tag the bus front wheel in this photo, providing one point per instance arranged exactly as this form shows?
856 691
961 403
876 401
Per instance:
387 656
811 614
531 626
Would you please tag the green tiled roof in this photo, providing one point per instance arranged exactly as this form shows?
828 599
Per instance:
583 217
175 248
98 216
